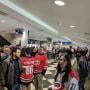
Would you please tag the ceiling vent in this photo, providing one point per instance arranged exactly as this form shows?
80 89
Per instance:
3 13
41 30
87 33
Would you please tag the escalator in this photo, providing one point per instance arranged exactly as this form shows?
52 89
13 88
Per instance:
3 41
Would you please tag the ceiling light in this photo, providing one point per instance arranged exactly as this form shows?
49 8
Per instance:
60 3
3 21
59 24
71 26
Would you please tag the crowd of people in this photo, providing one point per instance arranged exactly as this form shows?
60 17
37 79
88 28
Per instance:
19 67
82 56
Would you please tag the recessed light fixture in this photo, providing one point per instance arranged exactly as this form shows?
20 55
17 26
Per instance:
3 21
59 2
71 26
59 24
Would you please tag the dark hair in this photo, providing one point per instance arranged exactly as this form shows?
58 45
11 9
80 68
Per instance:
67 68
1 50
84 52
23 52
14 49
41 47
26 52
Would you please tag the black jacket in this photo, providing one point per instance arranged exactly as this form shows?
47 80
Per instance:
2 58
83 67
1 68
8 72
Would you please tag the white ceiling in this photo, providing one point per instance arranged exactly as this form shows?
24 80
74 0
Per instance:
75 12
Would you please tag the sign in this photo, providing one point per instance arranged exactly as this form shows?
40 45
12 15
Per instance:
31 41
49 39
66 43
19 31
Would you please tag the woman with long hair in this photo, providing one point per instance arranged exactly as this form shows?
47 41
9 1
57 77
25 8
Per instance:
65 77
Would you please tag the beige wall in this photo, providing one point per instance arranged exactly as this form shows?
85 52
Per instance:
8 36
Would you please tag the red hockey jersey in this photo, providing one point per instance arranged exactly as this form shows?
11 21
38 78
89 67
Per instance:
41 63
28 69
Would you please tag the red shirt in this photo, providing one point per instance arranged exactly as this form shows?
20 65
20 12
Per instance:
28 69
41 63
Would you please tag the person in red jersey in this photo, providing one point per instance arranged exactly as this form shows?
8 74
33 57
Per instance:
27 75
41 64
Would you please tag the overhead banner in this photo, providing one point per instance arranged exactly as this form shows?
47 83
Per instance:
66 43
19 31
49 39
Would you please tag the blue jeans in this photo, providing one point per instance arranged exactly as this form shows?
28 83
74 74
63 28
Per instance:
16 87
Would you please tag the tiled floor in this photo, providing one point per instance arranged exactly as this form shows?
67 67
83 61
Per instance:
48 78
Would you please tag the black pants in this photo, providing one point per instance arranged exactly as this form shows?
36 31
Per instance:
82 83
9 87
1 88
